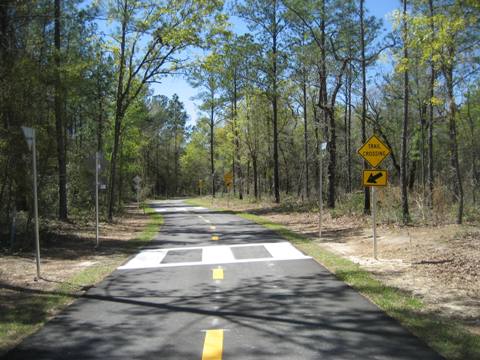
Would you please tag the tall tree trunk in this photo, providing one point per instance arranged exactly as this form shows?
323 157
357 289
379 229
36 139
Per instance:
322 92
100 132
413 173
212 128
305 132
119 113
422 144
175 157
255 176
100 122
59 125
452 107
247 180
316 119
160 179
430 119
403 165
349 129
347 124
332 163
120 176
287 172
238 175
366 199
276 176
473 151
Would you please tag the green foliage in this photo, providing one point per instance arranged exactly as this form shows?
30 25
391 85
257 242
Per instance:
234 77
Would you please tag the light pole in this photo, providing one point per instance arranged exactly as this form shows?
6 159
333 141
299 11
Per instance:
29 134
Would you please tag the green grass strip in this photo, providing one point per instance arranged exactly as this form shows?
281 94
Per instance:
448 338
32 309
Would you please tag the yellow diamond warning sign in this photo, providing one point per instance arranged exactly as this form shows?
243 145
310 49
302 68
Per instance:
228 179
374 151
375 177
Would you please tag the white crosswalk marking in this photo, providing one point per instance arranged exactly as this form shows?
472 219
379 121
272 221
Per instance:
220 254
179 209
215 254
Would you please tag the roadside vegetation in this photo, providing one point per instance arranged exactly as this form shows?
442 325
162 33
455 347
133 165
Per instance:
286 92
68 271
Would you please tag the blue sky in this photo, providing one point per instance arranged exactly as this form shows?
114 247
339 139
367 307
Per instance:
178 85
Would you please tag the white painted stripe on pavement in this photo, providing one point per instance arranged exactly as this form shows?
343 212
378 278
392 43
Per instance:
178 209
283 250
216 254
183 264
220 254
145 259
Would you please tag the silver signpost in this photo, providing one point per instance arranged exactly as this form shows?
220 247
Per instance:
137 180
29 134
97 169
323 146
374 219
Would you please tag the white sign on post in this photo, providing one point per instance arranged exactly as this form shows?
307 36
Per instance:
137 180
29 133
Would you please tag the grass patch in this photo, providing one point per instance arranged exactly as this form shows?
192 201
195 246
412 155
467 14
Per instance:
30 308
445 336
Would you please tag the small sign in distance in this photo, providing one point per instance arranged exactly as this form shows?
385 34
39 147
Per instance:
228 179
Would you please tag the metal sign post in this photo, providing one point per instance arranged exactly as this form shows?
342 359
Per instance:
137 179
374 211
97 169
374 151
323 146
29 134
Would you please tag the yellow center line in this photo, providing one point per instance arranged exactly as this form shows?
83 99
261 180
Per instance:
213 345
215 237
217 274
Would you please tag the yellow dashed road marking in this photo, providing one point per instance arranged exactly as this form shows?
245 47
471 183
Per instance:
215 237
217 274
213 345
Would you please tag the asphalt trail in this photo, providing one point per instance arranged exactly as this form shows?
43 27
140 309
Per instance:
211 286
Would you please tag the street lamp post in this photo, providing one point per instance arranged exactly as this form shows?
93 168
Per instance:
29 134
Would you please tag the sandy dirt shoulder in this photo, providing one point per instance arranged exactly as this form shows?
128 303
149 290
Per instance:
66 250
440 264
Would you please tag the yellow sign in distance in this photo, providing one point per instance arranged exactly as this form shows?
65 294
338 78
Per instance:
228 179
375 177
374 151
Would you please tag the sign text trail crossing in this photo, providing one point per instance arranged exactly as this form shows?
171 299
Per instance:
374 151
